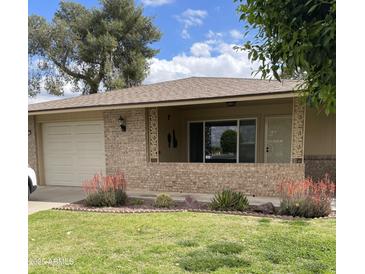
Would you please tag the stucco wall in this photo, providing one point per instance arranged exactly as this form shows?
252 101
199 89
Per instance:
169 120
320 145
32 145
320 133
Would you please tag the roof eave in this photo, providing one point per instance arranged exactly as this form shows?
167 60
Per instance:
238 98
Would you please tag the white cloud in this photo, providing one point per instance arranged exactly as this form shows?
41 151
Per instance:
43 96
213 35
200 50
213 58
190 18
235 34
155 3
185 34
226 63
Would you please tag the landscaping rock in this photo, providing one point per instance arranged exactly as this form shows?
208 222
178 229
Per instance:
191 202
267 208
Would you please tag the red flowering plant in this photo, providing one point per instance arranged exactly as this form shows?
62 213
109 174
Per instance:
105 190
307 198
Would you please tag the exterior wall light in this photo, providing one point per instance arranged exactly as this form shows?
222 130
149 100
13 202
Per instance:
122 123
231 104
29 132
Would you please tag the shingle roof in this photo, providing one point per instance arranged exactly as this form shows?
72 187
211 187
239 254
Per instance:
187 89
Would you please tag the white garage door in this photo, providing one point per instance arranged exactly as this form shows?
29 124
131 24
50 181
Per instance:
73 152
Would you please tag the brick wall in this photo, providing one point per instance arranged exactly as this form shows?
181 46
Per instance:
316 166
128 152
32 146
252 179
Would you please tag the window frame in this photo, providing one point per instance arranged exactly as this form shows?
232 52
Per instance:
238 136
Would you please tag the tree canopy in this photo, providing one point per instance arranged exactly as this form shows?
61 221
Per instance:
295 39
228 141
89 49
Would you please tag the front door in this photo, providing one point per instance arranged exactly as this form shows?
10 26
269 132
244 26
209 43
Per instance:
278 139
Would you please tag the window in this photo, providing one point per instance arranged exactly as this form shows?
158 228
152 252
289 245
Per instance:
247 144
229 141
221 142
196 142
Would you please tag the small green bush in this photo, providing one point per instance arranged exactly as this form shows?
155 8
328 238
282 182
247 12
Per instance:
164 201
94 199
229 200
108 198
120 197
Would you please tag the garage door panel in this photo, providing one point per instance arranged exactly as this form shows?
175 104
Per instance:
73 152
86 147
57 129
91 128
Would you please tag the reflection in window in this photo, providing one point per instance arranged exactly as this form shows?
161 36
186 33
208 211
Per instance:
247 144
221 142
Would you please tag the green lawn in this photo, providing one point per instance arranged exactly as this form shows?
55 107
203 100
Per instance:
178 243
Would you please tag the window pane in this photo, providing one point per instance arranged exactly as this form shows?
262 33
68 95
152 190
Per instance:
247 145
196 142
221 142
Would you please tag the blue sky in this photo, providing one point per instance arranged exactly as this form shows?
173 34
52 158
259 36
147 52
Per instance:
198 38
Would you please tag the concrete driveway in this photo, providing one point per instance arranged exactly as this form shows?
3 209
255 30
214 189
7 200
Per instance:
47 197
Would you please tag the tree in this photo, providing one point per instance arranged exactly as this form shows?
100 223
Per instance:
90 49
296 39
229 141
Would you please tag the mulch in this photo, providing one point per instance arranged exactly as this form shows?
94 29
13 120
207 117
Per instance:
180 206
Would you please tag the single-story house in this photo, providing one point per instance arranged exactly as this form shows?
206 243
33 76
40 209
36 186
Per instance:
199 134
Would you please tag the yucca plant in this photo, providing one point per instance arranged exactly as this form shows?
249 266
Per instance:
229 200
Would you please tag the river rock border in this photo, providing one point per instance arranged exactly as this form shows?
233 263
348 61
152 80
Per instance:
159 210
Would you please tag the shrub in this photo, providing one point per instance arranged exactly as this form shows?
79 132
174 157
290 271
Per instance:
164 200
229 200
120 197
135 202
306 198
105 190
94 199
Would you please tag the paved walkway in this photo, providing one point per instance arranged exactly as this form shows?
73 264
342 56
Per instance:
47 197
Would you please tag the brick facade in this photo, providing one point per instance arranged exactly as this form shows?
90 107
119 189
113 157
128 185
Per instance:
32 145
252 179
127 151
320 165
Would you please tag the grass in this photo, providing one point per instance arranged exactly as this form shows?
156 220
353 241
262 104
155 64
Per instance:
184 242
226 248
